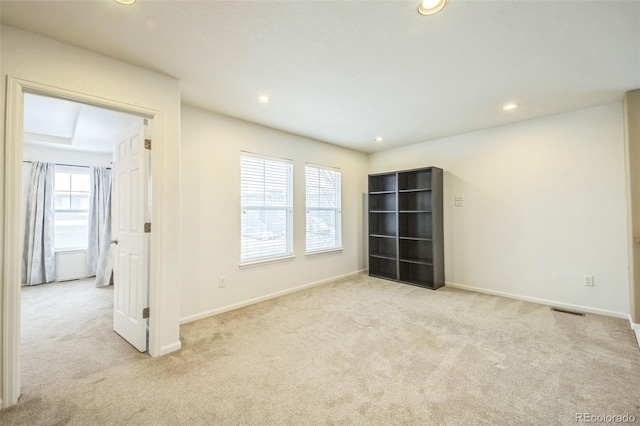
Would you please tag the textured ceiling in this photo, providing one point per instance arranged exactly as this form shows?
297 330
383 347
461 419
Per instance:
345 72
70 125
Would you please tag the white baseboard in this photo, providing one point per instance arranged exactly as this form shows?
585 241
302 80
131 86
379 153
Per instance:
72 278
170 348
548 302
636 330
238 305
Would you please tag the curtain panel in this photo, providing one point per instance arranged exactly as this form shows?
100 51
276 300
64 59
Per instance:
99 245
38 256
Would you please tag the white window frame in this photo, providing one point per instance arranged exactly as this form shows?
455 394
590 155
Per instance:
337 209
287 207
71 170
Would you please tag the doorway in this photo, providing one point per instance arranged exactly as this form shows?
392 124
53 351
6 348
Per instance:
79 140
17 89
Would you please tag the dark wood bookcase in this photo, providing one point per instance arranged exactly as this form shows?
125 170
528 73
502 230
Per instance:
406 240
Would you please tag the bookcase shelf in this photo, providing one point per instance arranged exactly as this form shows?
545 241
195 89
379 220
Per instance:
383 224
383 183
385 201
405 227
415 200
383 247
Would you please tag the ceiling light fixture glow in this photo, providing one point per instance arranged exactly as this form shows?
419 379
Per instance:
429 7
510 107
378 139
126 1
263 99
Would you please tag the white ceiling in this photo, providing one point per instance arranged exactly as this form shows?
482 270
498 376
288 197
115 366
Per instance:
57 123
345 72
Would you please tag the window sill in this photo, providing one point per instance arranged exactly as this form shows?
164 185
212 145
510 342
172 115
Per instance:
328 251
252 263
70 250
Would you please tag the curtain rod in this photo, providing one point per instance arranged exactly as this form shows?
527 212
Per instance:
59 164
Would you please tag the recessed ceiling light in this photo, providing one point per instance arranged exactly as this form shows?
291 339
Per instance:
126 1
264 99
510 107
429 7
378 139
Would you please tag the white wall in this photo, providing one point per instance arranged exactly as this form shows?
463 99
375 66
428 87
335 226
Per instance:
32 152
44 61
544 204
70 264
211 146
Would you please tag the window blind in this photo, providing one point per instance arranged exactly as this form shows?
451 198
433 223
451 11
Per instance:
266 208
324 208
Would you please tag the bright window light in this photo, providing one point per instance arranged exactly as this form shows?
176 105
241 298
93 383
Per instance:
324 208
266 195
72 191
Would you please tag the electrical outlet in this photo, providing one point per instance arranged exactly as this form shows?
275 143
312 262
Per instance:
459 203
221 282
587 280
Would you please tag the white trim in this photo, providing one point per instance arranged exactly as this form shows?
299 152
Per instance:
68 148
319 166
71 278
548 302
255 300
332 250
13 243
157 167
265 157
71 250
77 169
48 139
264 261
636 330
175 346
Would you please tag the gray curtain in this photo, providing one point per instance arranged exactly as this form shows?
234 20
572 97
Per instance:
104 270
98 251
38 256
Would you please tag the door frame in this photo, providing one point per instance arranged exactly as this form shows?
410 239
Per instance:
12 250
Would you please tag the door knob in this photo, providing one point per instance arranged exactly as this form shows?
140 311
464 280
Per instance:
636 239
114 242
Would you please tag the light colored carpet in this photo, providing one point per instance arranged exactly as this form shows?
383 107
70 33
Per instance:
357 351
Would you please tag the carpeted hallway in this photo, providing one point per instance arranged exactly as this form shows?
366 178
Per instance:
357 351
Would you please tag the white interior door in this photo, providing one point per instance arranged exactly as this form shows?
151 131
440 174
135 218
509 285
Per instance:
130 212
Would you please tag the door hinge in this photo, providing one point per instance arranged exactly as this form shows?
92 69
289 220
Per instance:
147 144
145 313
147 227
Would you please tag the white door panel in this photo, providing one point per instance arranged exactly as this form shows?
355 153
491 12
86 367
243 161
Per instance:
130 266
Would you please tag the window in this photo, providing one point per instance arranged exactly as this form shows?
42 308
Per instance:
72 191
267 208
324 215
